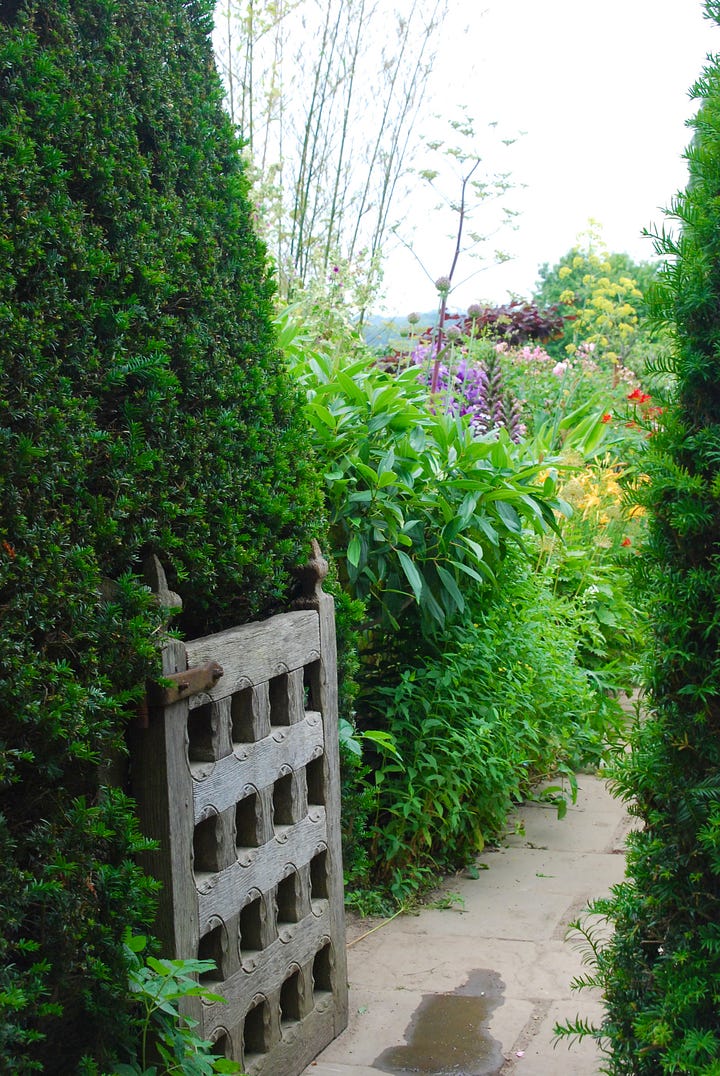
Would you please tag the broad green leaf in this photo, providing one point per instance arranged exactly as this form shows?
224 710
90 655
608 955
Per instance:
473 546
354 550
411 574
451 586
418 438
323 413
469 571
366 472
509 516
429 603
387 463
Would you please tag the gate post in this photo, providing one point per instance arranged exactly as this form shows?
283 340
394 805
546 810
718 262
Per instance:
163 789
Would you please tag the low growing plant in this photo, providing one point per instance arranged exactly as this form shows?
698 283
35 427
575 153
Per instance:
591 563
503 705
158 987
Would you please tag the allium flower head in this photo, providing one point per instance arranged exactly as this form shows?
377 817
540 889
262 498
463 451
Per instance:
453 332
443 285
474 310
413 318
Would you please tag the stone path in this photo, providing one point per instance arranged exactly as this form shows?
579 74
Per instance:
476 989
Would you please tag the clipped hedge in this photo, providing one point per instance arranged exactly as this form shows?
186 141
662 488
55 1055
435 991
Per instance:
143 409
660 969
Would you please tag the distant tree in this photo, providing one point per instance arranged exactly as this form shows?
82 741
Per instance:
602 297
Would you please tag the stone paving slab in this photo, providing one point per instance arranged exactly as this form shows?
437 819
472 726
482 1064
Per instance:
502 944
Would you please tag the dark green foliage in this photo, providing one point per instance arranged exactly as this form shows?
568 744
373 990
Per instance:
660 972
501 706
143 408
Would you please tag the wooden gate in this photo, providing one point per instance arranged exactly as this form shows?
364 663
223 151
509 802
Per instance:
237 777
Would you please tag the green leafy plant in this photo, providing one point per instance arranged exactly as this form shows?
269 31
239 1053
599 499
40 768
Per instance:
417 503
591 562
502 705
602 297
158 987
429 522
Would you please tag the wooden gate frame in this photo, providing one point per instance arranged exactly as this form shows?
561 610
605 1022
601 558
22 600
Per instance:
237 778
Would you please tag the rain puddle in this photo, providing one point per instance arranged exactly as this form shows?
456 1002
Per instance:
448 1034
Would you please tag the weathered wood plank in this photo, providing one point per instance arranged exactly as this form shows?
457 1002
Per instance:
254 878
286 698
253 766
300 1043
252 653
260 868
163 788
328 692
271 965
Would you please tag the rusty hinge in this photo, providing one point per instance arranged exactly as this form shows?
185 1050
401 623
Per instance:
184 684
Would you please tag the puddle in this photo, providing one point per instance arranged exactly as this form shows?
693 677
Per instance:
448 1034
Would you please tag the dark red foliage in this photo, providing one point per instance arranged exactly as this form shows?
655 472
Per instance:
517 322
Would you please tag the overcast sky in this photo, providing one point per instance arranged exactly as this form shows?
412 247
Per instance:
601 94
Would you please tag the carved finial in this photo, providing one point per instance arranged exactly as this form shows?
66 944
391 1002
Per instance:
157 581
311 575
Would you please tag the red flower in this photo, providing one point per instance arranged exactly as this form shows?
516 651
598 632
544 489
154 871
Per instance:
607 417
638 396
626 541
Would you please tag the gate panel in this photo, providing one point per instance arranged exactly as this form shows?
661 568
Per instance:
239 782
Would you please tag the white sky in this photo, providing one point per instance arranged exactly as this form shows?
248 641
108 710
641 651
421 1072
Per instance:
601 90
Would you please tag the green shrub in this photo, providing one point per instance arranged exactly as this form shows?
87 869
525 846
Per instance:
502 706
660 970
471 668
144 409
601 298
420 509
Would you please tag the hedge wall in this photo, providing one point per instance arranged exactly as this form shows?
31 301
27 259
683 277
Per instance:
143 409
660 968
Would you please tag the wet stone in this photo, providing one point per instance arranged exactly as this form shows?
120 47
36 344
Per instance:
448 1034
